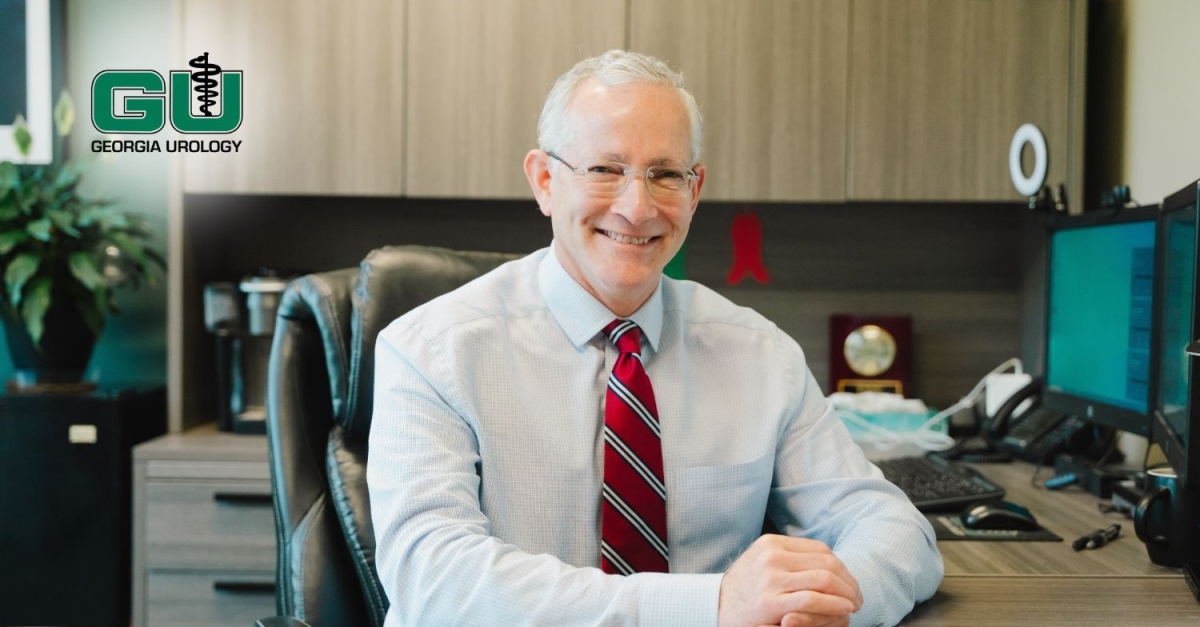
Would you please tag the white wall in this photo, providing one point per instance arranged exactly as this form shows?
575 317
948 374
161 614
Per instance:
108 34
126 34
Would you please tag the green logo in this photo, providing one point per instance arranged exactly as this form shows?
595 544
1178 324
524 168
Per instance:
135 101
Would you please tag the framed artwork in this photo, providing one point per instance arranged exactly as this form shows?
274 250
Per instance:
25 57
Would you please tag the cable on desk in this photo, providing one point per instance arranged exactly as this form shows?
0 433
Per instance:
924 436
1037 468
1109 449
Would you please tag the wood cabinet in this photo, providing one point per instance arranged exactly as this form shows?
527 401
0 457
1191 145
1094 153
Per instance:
804 100
938 87
65 510
770 78
323 95
478 73
204 531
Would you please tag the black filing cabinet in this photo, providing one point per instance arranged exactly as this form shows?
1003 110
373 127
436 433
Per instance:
65 503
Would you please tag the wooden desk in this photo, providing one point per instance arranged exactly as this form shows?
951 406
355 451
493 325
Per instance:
1010 584
1069 513
1041 601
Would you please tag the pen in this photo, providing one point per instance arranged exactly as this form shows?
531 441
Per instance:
1097 538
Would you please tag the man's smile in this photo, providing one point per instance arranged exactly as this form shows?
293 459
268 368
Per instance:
625 239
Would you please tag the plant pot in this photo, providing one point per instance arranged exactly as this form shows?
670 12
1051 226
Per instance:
65 351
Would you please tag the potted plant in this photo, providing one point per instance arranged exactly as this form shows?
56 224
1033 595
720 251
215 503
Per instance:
61 256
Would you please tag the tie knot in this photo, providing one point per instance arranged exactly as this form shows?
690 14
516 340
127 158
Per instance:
625 335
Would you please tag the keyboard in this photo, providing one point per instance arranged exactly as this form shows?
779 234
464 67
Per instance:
937 484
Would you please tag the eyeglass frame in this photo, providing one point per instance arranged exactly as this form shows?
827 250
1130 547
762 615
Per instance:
689 175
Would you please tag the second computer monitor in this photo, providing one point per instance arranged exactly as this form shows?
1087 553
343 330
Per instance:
1175 407
1100 291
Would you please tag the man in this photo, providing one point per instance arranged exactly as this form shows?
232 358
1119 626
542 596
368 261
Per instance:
574 439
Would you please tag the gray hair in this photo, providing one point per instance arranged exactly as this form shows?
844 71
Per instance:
615 67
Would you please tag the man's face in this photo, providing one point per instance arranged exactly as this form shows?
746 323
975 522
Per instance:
617 246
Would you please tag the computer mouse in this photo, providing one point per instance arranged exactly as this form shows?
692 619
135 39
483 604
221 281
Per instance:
998 515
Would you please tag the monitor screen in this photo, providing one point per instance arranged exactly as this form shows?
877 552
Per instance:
1099 318
1174 404
1179 292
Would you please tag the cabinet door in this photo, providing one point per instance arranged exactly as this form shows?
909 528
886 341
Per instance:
770 78
939 87
478 73
209 525
324 95
208 598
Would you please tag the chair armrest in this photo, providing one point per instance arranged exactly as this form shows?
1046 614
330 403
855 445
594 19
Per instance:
281 621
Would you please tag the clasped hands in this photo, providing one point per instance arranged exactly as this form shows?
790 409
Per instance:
789 582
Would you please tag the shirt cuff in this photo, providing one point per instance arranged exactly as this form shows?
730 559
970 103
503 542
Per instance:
678 599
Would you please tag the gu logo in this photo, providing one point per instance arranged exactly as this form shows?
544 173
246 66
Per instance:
135 101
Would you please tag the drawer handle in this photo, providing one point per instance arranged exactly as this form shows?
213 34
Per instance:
257 587
242 498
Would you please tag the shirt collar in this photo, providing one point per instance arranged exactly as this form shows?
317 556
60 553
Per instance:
581 316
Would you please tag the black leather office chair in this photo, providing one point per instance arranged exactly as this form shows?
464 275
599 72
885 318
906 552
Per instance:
319 415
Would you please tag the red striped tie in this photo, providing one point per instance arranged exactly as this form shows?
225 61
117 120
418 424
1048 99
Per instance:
633 532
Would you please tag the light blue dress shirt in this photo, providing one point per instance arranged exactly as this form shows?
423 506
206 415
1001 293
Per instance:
486 459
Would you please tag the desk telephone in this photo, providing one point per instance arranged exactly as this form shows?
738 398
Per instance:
1037 434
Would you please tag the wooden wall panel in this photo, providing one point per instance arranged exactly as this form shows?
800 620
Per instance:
479 71
770 78
324 95
956 270
957 336
938 87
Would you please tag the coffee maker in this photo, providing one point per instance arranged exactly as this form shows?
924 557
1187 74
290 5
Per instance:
241 316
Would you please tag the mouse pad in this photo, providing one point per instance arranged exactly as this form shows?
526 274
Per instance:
949 527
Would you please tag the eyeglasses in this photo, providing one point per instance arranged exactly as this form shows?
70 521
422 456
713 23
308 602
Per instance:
612 179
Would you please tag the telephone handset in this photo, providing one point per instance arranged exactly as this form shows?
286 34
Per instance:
986 449
1038 433
998 425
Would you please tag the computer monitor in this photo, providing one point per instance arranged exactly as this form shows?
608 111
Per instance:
1175 410
1099 315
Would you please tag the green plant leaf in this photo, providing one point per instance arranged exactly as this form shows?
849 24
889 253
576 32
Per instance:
39 229
100 213
87 216
21 135
10 178
130 246
93 310
138 225
111 303
156 258
151 265
64 114
18 272
68 176
85 269
10 239
33 311
63 219
8 213
27 204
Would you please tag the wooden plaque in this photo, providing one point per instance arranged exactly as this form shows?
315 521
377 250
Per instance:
870 353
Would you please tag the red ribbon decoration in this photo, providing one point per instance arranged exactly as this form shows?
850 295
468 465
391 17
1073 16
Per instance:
747 233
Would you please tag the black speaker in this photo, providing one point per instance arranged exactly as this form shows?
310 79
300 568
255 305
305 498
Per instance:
66 503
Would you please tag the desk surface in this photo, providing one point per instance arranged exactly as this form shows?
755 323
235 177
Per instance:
980 601
1069 513
1008 584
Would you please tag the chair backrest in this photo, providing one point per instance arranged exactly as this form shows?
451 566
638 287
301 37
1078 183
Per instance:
319 404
